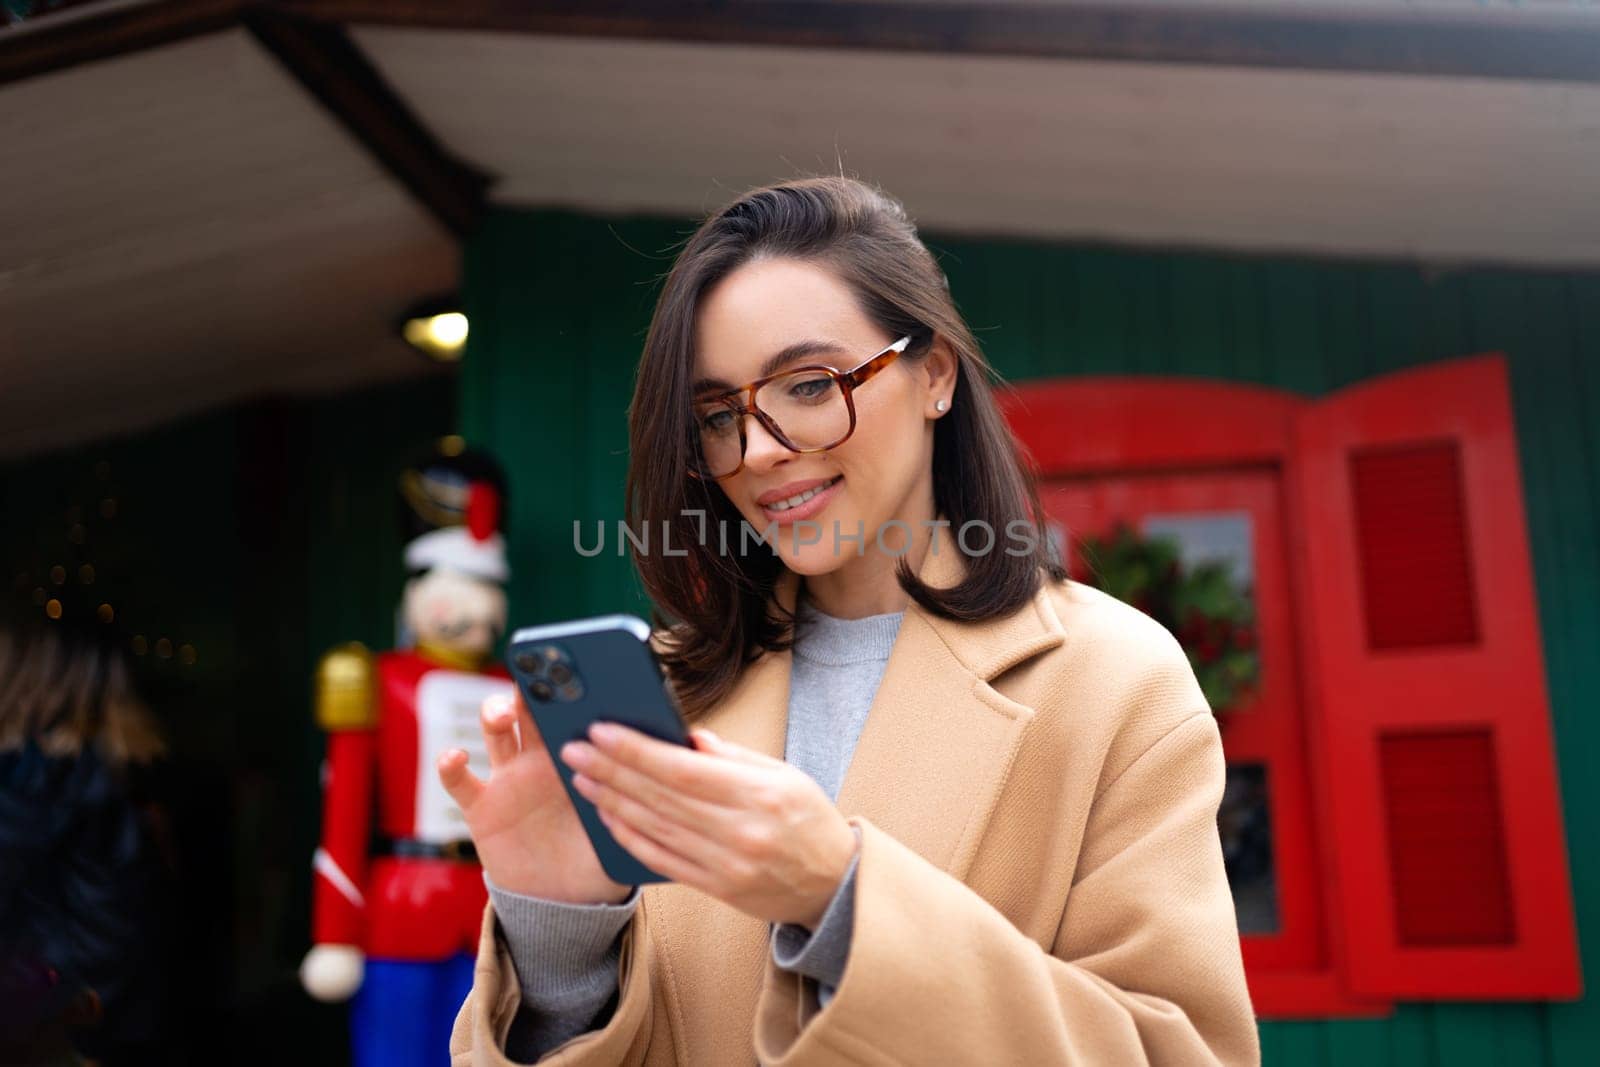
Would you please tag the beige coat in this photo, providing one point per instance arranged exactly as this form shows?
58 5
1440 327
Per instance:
1040 878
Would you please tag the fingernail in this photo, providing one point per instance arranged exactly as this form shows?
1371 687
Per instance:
574 753
604 731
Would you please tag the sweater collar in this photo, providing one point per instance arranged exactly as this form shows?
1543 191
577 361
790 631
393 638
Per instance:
835 642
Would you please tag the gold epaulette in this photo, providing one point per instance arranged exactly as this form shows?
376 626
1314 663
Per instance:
346 689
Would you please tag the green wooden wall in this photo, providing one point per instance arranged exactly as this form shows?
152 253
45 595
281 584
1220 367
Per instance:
262 535
559 304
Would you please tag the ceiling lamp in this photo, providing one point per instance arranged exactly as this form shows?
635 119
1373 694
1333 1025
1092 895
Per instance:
436 328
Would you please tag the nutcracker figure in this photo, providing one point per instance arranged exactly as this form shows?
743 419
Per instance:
395 915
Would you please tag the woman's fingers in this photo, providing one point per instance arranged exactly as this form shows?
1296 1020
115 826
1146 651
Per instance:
672 803
706 741
654 855
463 786
499 719
709 776
685 837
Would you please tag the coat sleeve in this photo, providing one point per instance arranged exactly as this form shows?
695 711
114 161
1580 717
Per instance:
1145 966
484 1020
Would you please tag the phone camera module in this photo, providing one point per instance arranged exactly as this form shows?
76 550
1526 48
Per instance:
528 663
560 674
541 690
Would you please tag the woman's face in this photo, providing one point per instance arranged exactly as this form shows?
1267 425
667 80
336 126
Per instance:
883 471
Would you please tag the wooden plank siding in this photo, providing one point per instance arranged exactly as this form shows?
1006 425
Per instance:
560 304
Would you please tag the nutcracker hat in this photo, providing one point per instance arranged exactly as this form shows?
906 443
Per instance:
452 508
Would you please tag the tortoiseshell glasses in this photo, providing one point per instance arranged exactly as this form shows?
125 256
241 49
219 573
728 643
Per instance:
805 409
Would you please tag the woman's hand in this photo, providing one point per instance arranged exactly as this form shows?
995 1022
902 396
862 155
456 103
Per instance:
522 822
750 830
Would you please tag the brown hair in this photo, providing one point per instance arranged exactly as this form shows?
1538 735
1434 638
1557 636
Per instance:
65 688
715 602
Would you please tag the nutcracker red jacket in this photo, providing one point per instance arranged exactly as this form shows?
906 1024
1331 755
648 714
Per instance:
1040 877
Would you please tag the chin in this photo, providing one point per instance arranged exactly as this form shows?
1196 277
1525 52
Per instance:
811 561
815 559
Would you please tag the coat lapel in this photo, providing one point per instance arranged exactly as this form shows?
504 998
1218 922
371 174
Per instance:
939 739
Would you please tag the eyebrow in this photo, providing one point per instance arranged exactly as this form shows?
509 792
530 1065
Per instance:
786 355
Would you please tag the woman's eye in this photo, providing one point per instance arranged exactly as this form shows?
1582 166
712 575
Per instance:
811 388
719 421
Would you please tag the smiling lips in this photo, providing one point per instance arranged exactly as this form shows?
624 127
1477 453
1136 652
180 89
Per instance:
798 500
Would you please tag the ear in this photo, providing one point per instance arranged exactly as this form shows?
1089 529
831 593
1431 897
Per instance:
940 370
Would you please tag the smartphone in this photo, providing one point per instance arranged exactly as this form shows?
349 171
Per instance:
575 673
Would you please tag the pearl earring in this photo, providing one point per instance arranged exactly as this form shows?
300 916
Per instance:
939 405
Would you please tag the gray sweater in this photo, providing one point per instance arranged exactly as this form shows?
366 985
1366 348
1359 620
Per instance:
566 954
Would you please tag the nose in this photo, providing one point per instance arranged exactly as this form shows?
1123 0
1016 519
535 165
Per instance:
761 449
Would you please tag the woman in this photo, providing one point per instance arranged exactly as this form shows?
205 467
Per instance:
85 867
945 806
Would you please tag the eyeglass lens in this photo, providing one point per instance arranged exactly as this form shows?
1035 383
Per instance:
808 407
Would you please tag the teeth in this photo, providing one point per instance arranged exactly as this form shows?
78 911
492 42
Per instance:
800 498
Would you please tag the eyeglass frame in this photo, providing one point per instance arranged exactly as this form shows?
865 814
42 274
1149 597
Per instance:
742 401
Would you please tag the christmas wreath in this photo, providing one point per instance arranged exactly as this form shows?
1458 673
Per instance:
1212 618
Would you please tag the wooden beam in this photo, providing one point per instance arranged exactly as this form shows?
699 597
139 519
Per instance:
1518 44
328 64
320 56
55 41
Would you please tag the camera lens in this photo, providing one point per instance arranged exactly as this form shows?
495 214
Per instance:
528 663
541 690
561 674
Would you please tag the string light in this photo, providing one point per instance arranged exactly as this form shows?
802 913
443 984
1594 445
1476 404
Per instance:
447 333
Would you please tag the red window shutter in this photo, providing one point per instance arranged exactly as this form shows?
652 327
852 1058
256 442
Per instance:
1428 687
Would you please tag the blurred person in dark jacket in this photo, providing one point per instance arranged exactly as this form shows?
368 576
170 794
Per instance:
86 871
